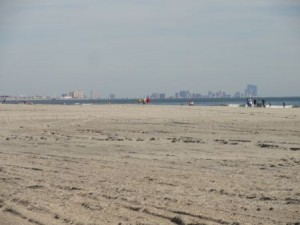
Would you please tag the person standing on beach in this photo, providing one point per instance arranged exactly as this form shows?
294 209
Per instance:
263 103
249 102
283 104
148 100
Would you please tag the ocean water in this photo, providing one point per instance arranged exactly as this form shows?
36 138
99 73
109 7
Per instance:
290 102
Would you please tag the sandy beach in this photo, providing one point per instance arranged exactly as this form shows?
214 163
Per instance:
146 164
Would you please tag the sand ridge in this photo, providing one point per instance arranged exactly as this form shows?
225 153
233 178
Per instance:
135 164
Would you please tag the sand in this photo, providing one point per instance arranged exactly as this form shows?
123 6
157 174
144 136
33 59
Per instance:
146 164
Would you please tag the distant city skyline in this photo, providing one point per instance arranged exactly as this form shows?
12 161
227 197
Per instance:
134 48
251 90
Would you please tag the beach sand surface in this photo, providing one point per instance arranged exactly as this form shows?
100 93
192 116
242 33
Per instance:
146 164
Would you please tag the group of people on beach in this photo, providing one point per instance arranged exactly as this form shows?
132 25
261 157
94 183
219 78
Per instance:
146 100
255 103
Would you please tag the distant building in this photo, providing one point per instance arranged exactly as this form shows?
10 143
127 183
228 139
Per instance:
158 96
251 90
218 94
94 95
155 96
162 96
184 94
238 95
78 94
195 95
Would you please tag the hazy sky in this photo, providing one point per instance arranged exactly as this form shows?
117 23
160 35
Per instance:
137 47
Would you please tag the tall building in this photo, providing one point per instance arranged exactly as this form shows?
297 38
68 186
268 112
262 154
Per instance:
94 95
155 96
162 95
184 94
158 96
251 90
77 94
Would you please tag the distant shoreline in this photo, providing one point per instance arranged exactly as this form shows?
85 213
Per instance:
233 102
